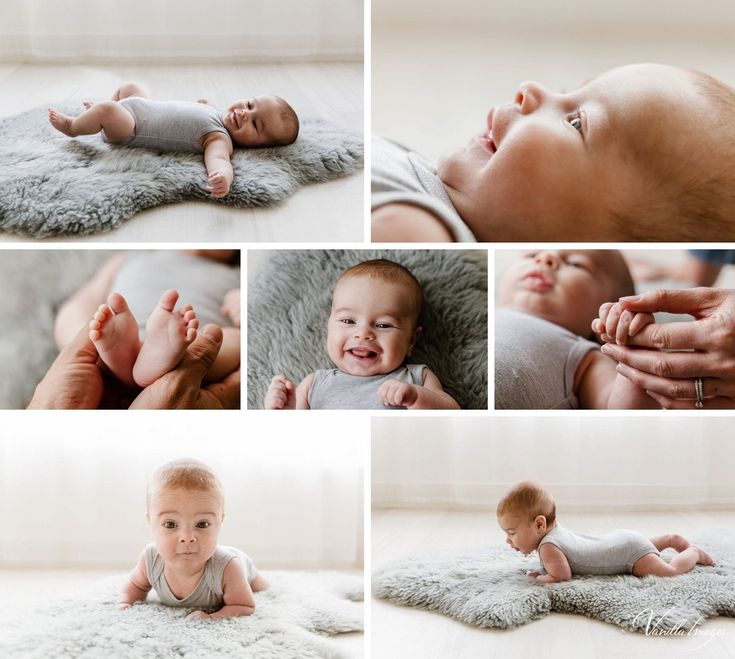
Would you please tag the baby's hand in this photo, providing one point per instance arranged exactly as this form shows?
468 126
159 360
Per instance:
532 574
123 605
281 394
231 306
398 394
219 183
197 615
617 325
204 101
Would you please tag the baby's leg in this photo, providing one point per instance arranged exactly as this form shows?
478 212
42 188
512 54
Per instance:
127 90
259 583
80 307
654 565
109 117
673 540
167 335
114 332
228 358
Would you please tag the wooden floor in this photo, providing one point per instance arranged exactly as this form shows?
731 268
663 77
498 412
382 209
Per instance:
327 212
399 632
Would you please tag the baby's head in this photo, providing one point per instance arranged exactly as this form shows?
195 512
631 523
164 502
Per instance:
373 325
642 152
526 513
185 509
566 286
262 121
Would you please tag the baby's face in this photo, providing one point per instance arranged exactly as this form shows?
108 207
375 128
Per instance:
520 533
256 121
565 287
372 326
551 166
185 526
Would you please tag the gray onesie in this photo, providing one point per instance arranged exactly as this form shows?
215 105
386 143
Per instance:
208 593
614 553
201 282
332 389
170 125
402 176
535 362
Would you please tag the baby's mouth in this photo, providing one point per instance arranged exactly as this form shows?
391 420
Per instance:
492 147
538 280
362 353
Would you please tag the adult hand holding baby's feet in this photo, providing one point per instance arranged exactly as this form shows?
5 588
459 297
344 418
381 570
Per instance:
394 393
618 325
219 183
281 394
198 615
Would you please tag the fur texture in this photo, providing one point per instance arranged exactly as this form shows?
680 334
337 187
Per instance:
489 588
56 185
290 298
291 619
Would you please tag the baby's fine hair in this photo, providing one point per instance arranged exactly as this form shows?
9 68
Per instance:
290 120
621 276
530 499
186 474
391 272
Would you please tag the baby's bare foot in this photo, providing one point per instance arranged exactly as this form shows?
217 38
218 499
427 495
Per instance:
704 557
167 335
61 122
114 332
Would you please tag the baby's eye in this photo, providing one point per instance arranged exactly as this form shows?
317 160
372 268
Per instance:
169 524
383 325
203 524
576 122
347 321
250 105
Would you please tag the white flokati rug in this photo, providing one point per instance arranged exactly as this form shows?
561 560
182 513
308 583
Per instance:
293 618
489 587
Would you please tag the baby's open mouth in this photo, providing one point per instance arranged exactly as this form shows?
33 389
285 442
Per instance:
362 353
490 143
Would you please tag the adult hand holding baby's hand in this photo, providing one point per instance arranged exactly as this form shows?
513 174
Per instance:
617 324
281 394
219 183
398 394
197 615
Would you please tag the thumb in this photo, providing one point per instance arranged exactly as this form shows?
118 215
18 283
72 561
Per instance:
200 355
689 301
80 350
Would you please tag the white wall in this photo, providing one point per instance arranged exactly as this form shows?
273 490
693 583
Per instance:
72 486
92 30
589 463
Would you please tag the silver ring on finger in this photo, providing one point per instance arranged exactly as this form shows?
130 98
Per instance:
699 391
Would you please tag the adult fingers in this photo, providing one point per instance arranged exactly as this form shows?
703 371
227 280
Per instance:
664 364
677 388
689 300
80 350
227 392
202 352
695 335
668 403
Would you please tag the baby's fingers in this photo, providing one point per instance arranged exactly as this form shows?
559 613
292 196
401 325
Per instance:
639 322
621 333
611 322
604 310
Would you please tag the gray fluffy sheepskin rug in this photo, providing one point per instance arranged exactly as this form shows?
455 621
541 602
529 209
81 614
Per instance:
294 618
489 588
290 298
51 184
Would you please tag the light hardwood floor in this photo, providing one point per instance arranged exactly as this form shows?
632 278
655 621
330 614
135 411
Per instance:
327 212
399 632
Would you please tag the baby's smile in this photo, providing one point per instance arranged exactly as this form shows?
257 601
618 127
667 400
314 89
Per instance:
361 353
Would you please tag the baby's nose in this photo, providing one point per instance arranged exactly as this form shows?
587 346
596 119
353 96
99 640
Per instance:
530 96
187 537
549 259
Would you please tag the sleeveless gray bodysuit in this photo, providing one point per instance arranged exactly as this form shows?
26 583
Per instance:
208 593
142 277
332 389
614 553
535 362
170 125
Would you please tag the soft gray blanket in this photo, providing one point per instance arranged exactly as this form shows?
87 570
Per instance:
488 587
51 184
289 302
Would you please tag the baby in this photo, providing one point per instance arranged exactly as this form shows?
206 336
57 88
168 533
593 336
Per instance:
544 358
184 564
527 515
138 354
372 329
619 159
132 119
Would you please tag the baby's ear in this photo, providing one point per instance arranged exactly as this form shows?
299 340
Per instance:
540 522
414 339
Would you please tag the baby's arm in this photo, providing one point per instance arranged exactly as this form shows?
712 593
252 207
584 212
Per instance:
137 586
555 563
600 387
238 594
428 396
217 153
231 306
406 223
285 395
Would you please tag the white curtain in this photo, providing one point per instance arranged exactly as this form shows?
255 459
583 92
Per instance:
72 486
590 463
92 30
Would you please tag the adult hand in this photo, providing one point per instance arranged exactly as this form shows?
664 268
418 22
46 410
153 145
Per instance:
76 380
709 342
182 388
